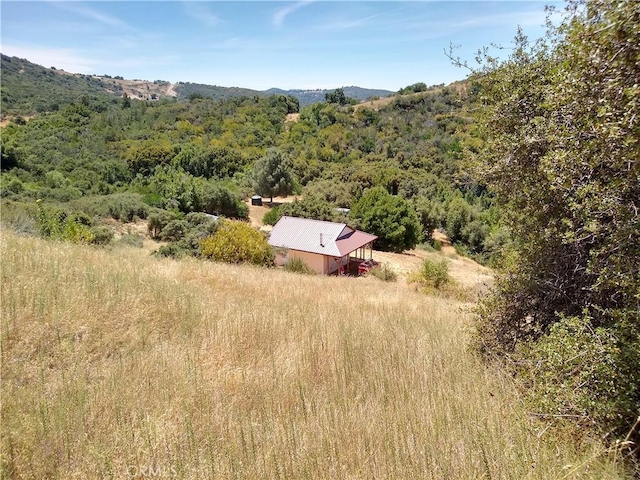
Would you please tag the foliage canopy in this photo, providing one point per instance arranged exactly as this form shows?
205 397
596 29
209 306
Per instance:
561 119
389 217
272 174
237 242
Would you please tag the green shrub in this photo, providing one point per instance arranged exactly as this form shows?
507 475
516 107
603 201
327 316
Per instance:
172 251
198 219
130 240
153 200
575 368
316 208
384 272
433 275
173 231
334 192
427 247
61 225
102 235
219 200
390 217
237 242
125 207
272 216
297 265
159 219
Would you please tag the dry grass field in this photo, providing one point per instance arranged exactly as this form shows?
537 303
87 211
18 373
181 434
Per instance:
119 365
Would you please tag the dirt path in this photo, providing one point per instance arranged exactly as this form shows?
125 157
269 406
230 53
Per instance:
171 90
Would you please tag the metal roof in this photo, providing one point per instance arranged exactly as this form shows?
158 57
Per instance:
316 236
353 240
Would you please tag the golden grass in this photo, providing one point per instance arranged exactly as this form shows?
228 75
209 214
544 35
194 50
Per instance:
119 365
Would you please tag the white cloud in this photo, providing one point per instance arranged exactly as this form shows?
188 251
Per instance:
348 24
525 18
201 13
61 58
93 14
281 15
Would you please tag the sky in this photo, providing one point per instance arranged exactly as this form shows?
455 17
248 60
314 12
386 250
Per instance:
264 44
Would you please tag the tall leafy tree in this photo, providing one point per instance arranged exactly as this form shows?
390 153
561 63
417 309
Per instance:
391 218
562 122
272 174
338 96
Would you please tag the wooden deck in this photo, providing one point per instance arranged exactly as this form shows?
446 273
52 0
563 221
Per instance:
352 268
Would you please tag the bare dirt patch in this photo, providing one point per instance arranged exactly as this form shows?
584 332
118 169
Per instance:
374 104
256 213
6 120
139 227
468 273
171 90
292 117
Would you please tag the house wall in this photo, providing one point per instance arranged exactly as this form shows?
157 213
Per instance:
314 261
281 259
318 263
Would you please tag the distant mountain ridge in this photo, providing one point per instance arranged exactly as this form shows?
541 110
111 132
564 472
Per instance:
28 88
305 96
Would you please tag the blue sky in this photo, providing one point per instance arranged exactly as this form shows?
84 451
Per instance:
263 44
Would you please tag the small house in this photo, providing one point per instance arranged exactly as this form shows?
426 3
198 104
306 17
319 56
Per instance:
326 247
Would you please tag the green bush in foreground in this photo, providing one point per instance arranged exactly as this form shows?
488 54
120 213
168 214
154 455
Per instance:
297 265
237 242
433 275
60 225
561 159
574 369
384 272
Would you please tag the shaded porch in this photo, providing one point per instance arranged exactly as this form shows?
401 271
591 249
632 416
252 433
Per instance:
350 264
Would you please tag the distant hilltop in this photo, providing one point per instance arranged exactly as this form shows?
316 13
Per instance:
307 97
25 82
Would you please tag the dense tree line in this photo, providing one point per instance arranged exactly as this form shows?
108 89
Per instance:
561 120
205 155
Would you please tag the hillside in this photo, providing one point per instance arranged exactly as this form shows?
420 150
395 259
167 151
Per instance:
28 88
115 362
108 159
529 168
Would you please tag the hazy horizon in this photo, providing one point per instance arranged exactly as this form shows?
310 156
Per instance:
304 45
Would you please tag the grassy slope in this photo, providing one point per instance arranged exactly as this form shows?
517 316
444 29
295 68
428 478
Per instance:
28 88
115 361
